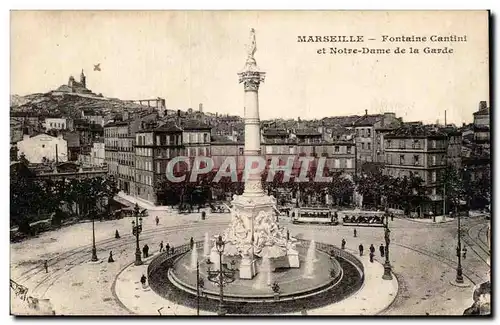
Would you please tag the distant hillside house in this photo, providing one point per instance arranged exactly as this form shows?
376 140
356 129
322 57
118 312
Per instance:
42 148
74 86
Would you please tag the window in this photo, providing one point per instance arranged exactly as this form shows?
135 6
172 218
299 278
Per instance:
205 138
158 142
241 151
336 163
434 191
401 159
388 143
389 158
433 143
416 144
416 160
349 163
362 145
433 175
369 145
369 131
348 149
433 160
337 149
401 144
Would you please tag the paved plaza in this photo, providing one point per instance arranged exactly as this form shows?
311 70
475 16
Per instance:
422 256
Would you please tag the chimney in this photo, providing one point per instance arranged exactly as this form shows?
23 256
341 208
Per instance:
200 107
482 105
366 112
178 119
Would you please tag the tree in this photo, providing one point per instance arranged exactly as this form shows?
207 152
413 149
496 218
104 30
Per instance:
410 192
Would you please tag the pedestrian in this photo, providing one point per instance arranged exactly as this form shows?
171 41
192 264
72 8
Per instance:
371 256
343 243
167 248
46 266
392 216
355 233
382 250
143 281
372 249
110 258
144 251
464 252
361 248
458 251
117 234
157 220
161 246
172 250
147 250
191 242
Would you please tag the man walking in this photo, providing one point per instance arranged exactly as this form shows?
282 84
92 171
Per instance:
46 266
157 220
372 252
343 243
167 248
355 233
191 242
361 248
161 246
464 252
382 250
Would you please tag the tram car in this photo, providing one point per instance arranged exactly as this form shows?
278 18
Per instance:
315 215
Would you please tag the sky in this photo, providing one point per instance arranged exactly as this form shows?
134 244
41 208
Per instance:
192 57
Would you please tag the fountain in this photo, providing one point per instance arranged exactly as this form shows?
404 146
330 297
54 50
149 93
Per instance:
310 260
254 234
194 258
206 247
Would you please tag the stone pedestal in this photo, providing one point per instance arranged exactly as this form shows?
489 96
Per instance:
247 267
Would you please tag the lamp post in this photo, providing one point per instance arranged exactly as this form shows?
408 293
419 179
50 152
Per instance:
387 265
136 230
94 250
221 277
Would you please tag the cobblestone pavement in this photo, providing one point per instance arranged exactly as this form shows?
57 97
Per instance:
422 255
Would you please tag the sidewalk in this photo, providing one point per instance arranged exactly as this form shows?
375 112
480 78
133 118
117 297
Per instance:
374 296
439 219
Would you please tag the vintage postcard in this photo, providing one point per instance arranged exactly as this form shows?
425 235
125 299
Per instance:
210 163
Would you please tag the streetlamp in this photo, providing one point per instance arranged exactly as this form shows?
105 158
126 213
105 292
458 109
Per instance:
94 250
387 265
221 277
136 230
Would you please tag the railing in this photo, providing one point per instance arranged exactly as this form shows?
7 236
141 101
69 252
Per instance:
159 261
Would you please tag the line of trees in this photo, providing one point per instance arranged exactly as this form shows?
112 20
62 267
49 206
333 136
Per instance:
33 199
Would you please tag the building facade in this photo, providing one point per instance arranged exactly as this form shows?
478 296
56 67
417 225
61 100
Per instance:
155 146
119 142
421 152
43 148
482 125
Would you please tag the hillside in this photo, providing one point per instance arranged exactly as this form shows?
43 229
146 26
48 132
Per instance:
69 104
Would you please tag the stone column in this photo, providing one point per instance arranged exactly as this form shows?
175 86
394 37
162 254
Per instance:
251 80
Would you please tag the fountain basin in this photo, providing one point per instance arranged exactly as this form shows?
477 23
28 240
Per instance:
292 283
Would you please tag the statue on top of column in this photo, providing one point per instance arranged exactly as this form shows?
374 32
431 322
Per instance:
251 64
